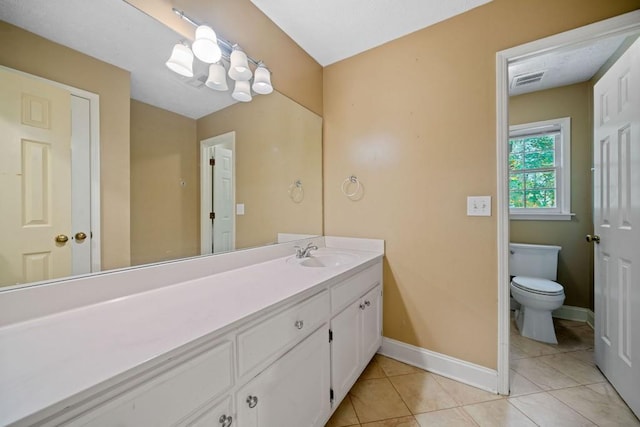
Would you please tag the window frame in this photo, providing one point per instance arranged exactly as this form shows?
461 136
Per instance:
562 211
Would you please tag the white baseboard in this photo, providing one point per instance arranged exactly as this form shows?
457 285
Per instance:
591 319
578 314
450 367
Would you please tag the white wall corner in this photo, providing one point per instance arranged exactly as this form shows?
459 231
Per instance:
441 364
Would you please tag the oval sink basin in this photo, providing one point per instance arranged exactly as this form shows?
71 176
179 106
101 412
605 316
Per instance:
324 260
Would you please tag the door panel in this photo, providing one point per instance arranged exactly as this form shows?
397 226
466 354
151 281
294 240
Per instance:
293 391
35 179
616 217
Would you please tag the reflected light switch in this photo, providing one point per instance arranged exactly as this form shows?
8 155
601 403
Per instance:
240 209
479 206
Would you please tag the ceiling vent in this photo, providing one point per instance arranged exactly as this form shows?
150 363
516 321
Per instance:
527 79
196 81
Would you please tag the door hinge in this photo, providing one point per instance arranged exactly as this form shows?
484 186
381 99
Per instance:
330 335
212 162
331 395
212 215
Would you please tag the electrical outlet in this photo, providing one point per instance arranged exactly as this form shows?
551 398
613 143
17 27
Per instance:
479 206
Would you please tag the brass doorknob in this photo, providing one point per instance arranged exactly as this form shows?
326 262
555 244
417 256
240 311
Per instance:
594 238
80 236
61 238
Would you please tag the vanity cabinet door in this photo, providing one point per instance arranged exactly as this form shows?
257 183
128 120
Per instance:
345 350
357 335
293 391
218 415
371 323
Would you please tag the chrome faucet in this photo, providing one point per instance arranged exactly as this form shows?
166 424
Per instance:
305 252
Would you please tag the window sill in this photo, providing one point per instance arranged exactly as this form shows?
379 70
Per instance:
542 216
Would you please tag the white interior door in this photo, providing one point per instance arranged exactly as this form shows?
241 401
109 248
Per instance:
35 179
617 223
223 199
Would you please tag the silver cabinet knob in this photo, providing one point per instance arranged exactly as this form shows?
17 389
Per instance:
362 306
252 401
367 303
299 324
225 420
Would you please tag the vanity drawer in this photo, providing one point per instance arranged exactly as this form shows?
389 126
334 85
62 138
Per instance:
349 290
273 335
171 395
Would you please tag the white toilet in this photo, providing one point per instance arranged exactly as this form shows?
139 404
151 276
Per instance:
535 269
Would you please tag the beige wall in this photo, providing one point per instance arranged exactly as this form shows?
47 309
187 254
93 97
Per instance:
575 261
30 53
164 185
294 73
277 142
415 120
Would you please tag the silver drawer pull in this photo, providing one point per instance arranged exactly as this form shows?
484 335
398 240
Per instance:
252 401
225 420
367 303
362 306
299 324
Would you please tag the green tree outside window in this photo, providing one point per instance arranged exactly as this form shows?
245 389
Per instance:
532 174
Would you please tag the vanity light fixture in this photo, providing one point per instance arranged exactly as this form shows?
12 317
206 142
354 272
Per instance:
211 49
205 47
217 79
239 68
242 91
262 80
181 60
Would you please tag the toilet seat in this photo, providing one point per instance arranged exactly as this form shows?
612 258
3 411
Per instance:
537 286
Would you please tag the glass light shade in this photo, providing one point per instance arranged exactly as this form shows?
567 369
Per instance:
205 47
217 79
262 81
181 60
242 91
239 69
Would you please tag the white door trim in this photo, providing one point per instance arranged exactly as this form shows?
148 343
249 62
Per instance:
228 139
94 117
619 25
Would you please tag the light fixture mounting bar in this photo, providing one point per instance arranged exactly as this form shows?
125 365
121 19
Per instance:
226 45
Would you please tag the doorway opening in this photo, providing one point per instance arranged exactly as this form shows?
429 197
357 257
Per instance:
622 26
217 194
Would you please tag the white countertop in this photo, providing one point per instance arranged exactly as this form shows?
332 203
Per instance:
46 360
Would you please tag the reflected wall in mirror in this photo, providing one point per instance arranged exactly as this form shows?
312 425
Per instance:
150 158
277 142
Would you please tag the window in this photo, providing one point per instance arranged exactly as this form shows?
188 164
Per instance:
540 170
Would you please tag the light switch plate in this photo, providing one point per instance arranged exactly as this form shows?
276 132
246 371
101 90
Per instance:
240 209
479 206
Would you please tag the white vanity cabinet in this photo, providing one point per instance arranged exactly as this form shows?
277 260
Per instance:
293 391
221 414
288 363
356 330
169 396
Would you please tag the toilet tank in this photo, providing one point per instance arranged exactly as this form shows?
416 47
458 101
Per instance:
533 260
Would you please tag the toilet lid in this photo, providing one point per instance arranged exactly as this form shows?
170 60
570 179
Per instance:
537 285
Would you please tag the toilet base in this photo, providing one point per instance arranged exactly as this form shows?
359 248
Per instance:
536 324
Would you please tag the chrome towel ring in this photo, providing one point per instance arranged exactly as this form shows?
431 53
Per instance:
348 183
296 191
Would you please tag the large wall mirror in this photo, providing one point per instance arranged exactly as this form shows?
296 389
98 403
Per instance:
183 170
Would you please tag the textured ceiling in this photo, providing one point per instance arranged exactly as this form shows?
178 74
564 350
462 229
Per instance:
332 30
564 66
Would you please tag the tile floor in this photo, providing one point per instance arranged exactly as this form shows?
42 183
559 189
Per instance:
551 385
